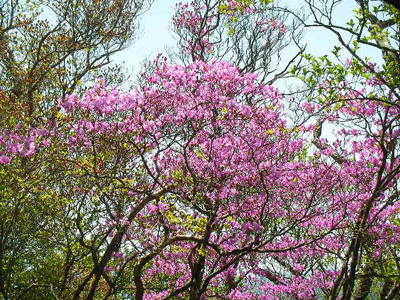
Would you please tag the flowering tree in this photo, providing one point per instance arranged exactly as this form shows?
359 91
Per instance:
193 185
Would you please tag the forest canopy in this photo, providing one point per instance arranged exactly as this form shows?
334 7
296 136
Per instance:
204 180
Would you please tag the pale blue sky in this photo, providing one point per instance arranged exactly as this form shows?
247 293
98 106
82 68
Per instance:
156 34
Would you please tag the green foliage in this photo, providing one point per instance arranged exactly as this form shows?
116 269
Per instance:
41 255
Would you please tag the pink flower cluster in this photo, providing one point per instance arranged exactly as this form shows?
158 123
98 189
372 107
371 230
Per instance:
17 143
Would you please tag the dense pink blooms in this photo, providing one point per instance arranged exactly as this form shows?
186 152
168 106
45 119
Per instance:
17 143
240 186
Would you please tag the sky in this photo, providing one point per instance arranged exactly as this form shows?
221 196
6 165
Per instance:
156 35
